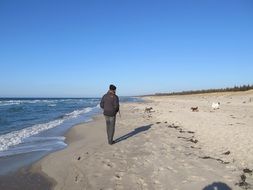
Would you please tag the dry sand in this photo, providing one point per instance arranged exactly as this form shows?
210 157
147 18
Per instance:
170 148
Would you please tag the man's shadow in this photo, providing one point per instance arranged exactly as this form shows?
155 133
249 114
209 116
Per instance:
217 186
133 133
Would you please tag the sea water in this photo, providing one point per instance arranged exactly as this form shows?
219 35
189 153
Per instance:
31 128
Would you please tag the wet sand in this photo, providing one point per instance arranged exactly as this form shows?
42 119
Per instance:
26 179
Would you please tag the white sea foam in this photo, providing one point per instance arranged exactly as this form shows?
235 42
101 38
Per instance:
10 102
51 105
17 102
49 101
76 113
17 137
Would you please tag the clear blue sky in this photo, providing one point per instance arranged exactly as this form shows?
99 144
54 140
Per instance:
59 48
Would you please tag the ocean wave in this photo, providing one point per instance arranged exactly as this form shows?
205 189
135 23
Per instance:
76 113
16 137
51 105
18 102
8 103
46 101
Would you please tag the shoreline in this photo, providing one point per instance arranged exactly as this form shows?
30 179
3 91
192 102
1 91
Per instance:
32 177
170 148
36 127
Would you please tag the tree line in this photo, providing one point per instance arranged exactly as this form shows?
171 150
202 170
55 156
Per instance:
228 89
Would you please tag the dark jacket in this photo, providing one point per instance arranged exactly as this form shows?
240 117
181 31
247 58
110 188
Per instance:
110 104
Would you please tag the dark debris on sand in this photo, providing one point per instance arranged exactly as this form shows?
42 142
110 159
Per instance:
248 171
226 153
217 159
242 183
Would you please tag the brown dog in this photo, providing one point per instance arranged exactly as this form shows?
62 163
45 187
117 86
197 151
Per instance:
195 109
148 110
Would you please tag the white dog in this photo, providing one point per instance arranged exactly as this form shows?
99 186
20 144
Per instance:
216 105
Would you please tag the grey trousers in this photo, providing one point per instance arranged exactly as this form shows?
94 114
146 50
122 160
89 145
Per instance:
110 127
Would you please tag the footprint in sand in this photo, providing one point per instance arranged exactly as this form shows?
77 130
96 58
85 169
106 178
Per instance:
141 182
119 187
195 178
146 162
119 175
187 166
117 180
77 158
108 164
81 157
157 184
78 177
171 169
97 175
123 161
161 169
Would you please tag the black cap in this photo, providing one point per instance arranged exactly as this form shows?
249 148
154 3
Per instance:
112 87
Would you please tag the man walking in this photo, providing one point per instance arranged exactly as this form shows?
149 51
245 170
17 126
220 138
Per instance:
110 105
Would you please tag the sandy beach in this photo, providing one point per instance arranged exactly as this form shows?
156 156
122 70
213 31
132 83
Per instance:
170 147
179 72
